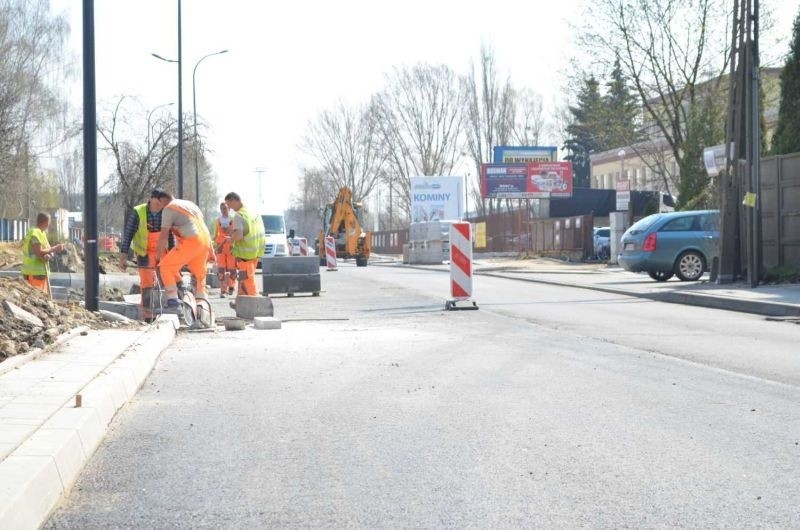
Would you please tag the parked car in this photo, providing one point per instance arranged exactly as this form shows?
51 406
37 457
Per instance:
674 243
601 242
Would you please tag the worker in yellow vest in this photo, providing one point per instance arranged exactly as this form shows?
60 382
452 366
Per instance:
226 261
37 252
248 243
141 233
193 247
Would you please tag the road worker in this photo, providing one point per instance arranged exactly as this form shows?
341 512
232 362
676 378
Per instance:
142 231
248 243
37 252
193 247
226 262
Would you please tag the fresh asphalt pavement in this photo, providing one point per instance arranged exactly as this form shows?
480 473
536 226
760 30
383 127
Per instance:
373 407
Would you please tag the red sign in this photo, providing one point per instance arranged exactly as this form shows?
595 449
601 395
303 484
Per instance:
551 178
541 180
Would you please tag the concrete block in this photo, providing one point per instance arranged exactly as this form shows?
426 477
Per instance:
63 446
266 323
290 265
99 395
129 310
291 283
20 314
84 421
249 307
30 487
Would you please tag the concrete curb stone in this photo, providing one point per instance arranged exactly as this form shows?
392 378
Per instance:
38 473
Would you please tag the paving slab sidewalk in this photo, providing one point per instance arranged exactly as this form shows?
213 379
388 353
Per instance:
47 433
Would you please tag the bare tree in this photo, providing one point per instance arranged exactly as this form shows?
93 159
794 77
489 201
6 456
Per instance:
668 50
419 115
490 115
315 190
530 125
139 165
32 66
345 144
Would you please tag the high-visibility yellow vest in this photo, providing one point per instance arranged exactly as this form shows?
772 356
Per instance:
139 241
252 245
33 265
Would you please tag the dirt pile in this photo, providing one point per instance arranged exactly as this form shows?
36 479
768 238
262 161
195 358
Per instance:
19 334
71 260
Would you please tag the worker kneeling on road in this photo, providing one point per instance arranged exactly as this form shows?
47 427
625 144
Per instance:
193 247
37 252
142 232
226 261
248 243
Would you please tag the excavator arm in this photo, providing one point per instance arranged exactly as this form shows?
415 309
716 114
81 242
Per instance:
342 223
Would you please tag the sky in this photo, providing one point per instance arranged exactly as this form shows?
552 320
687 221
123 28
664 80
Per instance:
288 61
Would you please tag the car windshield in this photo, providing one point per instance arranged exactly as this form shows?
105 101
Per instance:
603 232
273 224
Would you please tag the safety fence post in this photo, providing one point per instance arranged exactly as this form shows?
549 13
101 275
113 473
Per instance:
330 253
460 266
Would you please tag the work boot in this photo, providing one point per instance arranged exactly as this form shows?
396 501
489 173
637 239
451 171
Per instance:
230 291
173 307
222 293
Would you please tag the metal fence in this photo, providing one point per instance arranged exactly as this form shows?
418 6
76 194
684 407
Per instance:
513 232
780 210
13 229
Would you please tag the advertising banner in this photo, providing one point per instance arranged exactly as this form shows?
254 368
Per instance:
536 180
515 154
553 178
436 198
504 181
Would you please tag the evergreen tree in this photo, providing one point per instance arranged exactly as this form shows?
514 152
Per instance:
620 112
787 133
583 133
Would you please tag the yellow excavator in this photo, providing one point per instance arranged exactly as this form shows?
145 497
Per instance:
341 221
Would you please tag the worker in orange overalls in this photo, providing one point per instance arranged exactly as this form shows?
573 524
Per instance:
248 243
223 245
37 252
141 233
193 248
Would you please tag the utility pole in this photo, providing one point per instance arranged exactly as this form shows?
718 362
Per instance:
740 231
260 173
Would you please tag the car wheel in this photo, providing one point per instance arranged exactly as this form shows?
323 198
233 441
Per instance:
690 266
660 276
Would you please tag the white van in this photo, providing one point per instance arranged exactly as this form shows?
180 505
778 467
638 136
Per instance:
275 232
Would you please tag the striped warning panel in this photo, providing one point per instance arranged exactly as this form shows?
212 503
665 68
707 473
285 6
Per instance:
460 261
330 253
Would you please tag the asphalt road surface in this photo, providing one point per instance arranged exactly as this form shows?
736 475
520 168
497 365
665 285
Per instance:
373 407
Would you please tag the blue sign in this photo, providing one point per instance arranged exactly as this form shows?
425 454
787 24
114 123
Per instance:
518 154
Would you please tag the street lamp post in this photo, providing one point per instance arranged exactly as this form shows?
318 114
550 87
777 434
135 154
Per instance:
180 103
194 111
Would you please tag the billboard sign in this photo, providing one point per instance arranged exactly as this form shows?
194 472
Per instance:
504 181
515 154
436 198
553 178
535 180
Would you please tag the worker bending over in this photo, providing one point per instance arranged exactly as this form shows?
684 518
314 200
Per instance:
223 245
37 252
248 243
142 231
193 247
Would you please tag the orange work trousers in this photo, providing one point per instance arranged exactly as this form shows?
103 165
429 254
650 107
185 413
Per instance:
247 276
37 282
147 275
192 252
226 267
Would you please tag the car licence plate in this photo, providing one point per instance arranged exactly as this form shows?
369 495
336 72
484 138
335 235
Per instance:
630 246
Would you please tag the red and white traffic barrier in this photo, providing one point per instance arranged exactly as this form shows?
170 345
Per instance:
330 253
290 247
460 265
303 246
